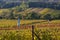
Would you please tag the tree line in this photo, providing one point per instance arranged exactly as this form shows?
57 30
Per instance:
30 16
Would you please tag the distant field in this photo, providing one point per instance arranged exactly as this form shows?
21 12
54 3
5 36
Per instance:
12 23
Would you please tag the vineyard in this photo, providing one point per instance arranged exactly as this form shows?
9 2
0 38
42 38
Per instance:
28 20
29 10
25 34
41 23
45 30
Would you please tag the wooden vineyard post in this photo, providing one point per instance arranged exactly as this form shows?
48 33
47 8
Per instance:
18 24
32 32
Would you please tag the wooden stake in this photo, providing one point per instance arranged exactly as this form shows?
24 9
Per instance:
32 32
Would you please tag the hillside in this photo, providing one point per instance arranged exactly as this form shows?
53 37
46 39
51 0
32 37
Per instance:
37 10
40 10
